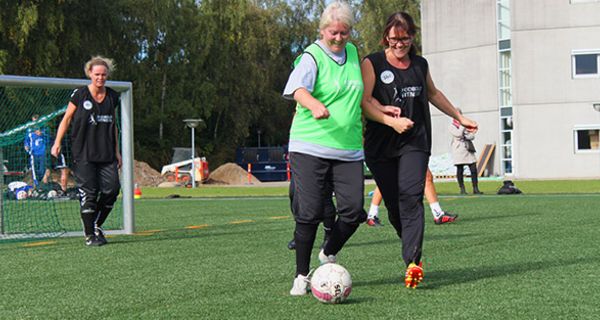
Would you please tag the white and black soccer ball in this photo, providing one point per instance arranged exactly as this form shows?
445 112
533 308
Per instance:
331 283
21 195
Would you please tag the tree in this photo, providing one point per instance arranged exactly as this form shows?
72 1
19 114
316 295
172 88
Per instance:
224 61
372 17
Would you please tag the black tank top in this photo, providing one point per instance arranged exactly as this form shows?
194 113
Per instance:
407 90
93 126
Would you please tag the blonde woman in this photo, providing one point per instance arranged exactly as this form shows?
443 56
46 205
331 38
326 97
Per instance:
95 151
326 140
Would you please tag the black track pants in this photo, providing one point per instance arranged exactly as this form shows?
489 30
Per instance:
313 178
98 185
401 181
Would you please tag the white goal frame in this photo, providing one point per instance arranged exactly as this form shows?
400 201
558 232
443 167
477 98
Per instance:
126 131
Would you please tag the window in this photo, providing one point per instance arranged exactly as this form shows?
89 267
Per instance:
585 64
587 139
503 15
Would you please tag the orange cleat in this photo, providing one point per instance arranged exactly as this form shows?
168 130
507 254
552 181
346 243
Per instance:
414 275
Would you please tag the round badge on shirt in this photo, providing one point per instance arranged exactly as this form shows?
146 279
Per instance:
87 105
386 77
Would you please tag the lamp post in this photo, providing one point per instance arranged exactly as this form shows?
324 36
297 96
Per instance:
258 137
193 123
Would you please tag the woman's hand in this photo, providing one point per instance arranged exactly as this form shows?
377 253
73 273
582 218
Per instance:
320 112
469 124
55 151
119 159
305 99
391 111
402 124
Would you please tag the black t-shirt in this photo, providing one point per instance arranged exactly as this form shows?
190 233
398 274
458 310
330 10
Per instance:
407 90
93 126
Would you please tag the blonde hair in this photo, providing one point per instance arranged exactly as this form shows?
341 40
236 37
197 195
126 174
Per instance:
337 11
99 61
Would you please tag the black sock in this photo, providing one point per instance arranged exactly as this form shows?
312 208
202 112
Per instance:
341 233
304 235
104 212
88 218
328 224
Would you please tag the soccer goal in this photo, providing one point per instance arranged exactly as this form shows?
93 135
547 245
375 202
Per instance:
35 202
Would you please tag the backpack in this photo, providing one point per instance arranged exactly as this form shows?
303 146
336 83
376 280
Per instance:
509 188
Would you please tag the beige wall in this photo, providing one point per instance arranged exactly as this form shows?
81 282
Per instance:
459 41
548 102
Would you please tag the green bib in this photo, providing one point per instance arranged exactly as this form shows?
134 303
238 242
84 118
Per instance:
340 89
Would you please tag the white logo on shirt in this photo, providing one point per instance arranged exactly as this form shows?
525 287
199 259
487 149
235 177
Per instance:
386 77
104 118
87 105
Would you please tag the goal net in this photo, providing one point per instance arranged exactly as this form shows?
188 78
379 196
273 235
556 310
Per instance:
38 194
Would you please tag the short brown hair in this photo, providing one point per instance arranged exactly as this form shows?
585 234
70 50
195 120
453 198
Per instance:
400 21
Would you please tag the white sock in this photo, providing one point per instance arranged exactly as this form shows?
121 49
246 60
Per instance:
436 210
373 212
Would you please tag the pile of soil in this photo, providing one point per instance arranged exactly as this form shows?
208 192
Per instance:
231 173
146 176
143 175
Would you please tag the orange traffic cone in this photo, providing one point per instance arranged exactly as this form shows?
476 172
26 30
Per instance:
137 192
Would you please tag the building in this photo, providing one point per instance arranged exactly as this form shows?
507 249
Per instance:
528 72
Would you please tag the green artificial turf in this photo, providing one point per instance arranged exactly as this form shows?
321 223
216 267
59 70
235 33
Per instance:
444 187
532 256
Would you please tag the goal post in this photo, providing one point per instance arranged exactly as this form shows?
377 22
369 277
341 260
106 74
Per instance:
16 92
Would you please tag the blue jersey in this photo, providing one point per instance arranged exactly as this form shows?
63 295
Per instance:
36 144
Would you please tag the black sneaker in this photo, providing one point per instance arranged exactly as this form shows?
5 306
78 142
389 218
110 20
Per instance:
92 241
100 235
292 244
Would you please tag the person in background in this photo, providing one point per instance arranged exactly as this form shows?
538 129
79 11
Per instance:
463 154
95 148
35 144
397 93
326 139
60 163
439 216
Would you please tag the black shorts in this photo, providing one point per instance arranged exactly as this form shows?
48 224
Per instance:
59 162
314 179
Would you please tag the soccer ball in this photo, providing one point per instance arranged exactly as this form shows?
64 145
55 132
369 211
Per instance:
21 195
331 283
52 194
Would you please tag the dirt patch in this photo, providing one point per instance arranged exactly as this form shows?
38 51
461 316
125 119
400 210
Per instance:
143 175
231 173
146 176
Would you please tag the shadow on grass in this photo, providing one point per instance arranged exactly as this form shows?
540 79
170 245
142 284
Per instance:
358 300
444 237
438 279
370 243
396 240
179 234
163 235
